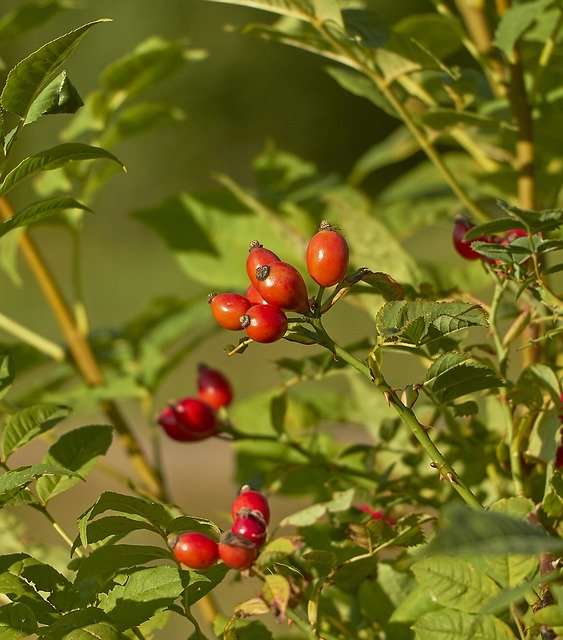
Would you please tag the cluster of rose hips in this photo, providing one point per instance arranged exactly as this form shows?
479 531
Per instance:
277 286
462 225
238 547
195 418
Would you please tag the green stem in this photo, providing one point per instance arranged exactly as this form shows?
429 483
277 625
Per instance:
49 348
407 416
502 349
384 87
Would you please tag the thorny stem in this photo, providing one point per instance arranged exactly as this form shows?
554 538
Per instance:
83 356
406 414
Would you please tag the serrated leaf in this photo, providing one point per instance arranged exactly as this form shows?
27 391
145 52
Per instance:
276 592
53 158
17 621
145 593
200 584
448 624
77 450
114 527
13 481
39 211
467 532
28 77
544 220
89 623
30 422
455 583
412 320
456 374
191 523
151 512
328 11
111 558
59 96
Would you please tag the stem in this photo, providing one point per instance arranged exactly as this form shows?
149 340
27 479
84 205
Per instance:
514 436
418 134
407 416
49 348
83 356
525 149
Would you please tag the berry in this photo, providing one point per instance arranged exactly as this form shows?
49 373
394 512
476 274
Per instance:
280 284
213 388
327 256
251 500
264 323
251 525
463 247
253 296
188 419
258 256
227 308
168 420
237 552
194 550
559 457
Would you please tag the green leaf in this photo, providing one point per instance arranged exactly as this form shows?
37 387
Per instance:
28 16
455 374
191 523
59 96
328 11
209 237
358 85
77 450
448 624
53 158
152 61
138 118
444 119
432 31
6 371
111 558
414 605
17 621
39 211
13 481
293 8
342 501
28 77
465 531
114 527
89 623
544 220
28 423
200 584
145 593
397 146
413 321
515 21
454 583
151 512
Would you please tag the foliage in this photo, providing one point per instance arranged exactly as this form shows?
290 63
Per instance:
385 547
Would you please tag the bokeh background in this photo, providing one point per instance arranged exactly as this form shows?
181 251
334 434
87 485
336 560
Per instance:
245 93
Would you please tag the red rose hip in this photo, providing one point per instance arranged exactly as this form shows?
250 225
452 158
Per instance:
264 323
213 387
227 308
251 525
195 550
251 500
188 419
327 256
258 256
280 284
463 247
237 552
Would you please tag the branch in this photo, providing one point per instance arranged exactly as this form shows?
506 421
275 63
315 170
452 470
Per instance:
83 357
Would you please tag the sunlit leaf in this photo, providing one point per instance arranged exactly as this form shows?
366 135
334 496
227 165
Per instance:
28 423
